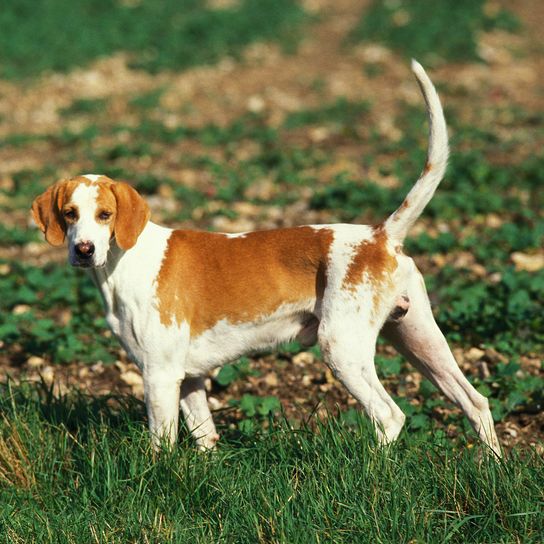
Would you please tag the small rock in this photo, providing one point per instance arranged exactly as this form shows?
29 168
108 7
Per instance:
255 104
376 53
34 248
329 376
246 208
132 378
303 358
474 354
319 134
48 375
166 191
98 368
123 367
35 362
20 309
215 404
263 189
479 270
493 220
224 224
527 262
495 278
271 379
439 260
65 316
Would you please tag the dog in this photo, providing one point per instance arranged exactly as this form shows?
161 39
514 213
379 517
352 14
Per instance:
184 302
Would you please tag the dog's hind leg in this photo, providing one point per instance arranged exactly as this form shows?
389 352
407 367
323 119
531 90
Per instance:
197 413
350 355
419 339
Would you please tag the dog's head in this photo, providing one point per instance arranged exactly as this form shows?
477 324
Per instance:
92 212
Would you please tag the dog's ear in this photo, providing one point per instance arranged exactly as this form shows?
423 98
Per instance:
46 210
131 216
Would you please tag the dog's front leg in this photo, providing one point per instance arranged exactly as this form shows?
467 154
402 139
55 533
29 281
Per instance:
197 413
162 391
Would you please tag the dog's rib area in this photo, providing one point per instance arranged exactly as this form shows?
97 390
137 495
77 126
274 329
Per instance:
209 277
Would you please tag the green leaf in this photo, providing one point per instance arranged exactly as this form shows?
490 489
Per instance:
268 405
226 375
248 405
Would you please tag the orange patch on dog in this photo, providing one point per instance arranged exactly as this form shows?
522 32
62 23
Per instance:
47 209
373 259
206 277
106 202
428 167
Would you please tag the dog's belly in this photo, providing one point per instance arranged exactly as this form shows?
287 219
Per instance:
226 341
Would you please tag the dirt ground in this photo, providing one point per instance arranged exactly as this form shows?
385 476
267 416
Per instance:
276 83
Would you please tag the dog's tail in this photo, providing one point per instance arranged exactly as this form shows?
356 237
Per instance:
399 223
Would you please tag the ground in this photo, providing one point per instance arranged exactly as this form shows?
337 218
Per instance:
111 116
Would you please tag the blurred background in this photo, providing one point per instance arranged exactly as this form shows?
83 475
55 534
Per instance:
233 115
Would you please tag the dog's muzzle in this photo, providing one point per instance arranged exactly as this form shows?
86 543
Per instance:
84 252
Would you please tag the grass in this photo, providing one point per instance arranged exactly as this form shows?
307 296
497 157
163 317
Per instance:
167 34
80 469
425 29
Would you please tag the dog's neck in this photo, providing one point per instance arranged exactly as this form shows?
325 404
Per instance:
128 271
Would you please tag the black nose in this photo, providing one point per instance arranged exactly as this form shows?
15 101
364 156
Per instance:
85 250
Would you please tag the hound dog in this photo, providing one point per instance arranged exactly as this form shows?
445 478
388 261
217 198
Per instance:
184 302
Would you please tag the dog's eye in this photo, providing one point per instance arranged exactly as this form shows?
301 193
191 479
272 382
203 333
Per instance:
70 214
104 216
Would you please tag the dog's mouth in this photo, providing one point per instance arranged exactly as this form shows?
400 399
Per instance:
82 263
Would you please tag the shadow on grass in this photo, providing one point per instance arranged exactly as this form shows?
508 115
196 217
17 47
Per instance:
75 411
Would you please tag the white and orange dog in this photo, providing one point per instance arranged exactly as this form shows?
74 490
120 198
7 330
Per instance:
185 302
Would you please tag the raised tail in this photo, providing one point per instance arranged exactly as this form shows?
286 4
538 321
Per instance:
399 223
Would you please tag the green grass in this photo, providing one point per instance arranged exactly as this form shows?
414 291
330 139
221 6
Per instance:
80 470
167 34
426 29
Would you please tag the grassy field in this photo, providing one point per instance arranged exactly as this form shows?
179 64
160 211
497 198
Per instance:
79 470
243 115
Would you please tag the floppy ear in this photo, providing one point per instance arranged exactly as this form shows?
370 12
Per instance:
131 216
46 212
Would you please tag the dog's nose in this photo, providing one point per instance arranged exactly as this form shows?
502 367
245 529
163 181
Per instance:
85 250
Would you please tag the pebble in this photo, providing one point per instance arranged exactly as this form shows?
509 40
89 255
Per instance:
474 354
35 362
20 309
271 379
132 378
526 262
303 358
